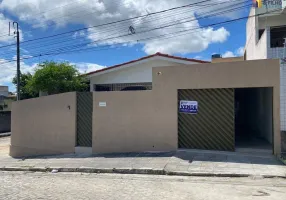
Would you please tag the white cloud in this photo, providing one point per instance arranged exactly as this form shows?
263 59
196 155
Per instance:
4 30
198 57
78 34
228 54
5 38
8 72
92 12
193 42
238 52
87 67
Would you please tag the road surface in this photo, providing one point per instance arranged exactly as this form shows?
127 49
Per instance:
29 185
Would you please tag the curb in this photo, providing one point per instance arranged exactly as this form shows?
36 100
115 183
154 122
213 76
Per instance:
282 160
145 171
5 135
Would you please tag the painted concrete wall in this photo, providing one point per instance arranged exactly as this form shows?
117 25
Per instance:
130 122
137 121
45 125
139 73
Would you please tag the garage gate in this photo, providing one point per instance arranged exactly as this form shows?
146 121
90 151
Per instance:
213 126
226 119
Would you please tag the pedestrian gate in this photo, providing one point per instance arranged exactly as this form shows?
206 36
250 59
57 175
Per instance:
84 119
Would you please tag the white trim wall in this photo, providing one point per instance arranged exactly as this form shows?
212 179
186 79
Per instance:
139 72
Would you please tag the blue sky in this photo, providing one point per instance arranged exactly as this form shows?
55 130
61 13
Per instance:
192 38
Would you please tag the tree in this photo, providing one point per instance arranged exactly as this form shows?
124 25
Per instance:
54 78
25 92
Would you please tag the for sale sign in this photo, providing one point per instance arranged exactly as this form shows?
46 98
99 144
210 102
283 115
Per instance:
188 107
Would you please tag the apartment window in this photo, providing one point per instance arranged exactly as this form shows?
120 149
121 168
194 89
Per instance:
277 36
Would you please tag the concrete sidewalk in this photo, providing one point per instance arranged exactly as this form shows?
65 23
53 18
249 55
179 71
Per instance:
188 163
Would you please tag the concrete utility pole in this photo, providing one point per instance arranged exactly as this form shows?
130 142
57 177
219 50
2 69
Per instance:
18 58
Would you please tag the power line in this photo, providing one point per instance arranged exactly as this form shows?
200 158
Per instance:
175 34
185 7
56 38
170 24
63 16
145 31
89 35
110 23
68 39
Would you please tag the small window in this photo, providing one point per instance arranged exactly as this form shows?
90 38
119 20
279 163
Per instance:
134 88
101 88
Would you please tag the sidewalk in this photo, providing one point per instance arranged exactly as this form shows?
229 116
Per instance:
188 163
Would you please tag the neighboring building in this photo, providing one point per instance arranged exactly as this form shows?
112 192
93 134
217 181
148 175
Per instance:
135 74
5 109
266 39
265 35
6 103
5 99
4 91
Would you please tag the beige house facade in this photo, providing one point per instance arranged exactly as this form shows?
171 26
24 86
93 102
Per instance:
136 121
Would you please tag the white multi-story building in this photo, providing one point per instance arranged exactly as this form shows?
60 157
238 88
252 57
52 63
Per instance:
266 39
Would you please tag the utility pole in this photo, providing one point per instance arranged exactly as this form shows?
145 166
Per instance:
18 58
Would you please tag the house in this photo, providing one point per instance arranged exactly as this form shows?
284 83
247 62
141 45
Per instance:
189 107
135 74
266 39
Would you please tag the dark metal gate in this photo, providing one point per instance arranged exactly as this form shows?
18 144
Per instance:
84 118
212 127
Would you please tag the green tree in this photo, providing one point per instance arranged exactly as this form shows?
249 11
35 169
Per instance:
54 78
25 92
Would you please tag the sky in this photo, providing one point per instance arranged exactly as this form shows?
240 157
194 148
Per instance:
93 34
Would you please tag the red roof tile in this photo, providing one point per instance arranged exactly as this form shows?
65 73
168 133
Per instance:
146 57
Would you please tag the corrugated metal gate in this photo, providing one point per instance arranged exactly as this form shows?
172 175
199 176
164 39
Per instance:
84 119
213 126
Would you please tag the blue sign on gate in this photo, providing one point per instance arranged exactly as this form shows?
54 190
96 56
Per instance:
188 107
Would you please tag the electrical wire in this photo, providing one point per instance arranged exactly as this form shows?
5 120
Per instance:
144 31
191 20
110 23
175 34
